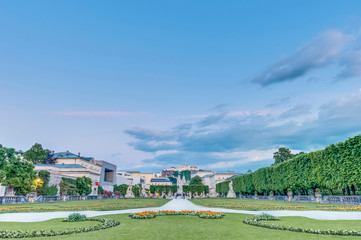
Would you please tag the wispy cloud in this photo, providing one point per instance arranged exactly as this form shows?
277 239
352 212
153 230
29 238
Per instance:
241 139
98 114
323 50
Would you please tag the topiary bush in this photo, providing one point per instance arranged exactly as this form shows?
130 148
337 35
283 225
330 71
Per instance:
75 217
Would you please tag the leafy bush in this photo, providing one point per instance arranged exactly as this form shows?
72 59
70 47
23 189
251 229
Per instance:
68 187
100 190
266 217
75 217
84 185
163 189
50 191
108 193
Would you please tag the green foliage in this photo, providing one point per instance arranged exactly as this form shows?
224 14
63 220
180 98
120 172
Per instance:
66 185
186 174
69 180
101 190
76 217
173 180
282 155
5 155
50 190
36 154
121 188
266 217
195 189
136 190
196 180
19 174
84 185
163 189
336 167
45 177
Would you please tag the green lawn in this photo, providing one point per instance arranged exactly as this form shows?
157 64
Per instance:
55 224
188 227
261 205
98 205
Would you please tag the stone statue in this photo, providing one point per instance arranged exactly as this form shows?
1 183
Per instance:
231 193
130 193
179 185
143 193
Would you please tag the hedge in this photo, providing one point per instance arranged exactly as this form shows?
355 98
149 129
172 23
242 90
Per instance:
337 167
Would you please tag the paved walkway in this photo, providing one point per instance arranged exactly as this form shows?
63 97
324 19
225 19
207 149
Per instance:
178 205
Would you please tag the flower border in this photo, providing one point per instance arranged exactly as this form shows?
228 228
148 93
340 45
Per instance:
104 224
153 214
255 221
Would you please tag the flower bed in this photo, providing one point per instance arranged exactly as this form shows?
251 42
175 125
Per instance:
152 214
94 207
272 206
256 221
104 224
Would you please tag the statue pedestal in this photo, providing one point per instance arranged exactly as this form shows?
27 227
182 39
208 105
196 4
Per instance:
129 193
231 194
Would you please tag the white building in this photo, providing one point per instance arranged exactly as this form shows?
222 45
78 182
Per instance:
127 178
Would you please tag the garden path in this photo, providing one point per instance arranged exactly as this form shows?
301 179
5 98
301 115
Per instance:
178 204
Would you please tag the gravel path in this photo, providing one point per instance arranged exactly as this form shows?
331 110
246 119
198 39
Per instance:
178 204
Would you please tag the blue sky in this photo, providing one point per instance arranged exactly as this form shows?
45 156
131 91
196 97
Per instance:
153 84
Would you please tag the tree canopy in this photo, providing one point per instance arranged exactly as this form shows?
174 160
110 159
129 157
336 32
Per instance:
283 154
36 154
196 180
335 168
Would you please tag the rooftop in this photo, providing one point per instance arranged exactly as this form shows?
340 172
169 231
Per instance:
59 165
160 180
65 155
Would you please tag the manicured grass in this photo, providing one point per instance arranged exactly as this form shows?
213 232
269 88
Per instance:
55 224
319 224
189 227
261 205
98 205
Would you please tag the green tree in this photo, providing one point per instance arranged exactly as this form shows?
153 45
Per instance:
50 190
36 154
67 187
84 185
45 177
5 155
20 175
186 174
283 154
101 190
197 180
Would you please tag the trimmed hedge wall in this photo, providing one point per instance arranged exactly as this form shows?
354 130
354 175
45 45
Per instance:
163 189
337 167
195 189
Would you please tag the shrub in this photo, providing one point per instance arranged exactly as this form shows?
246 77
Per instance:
100 190
76 217
50 191
108 193
266 217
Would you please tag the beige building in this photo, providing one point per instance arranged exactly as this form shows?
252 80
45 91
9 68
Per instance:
223 176
168 172
147 176
66 164
160 181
